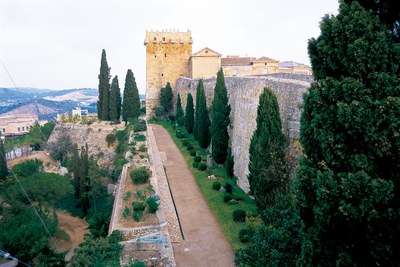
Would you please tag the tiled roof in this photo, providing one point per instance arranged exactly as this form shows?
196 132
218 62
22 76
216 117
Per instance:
237 61
266 59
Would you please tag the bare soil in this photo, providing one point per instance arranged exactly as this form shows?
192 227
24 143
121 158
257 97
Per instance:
48 162
75 227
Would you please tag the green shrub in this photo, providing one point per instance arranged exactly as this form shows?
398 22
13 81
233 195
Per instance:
227 198
185 142
192 152
202 167
126 212
152 204
140 126
110 139
216 185
239 215
197 158
142 148
228 188
189 147
195 165
140 137
140 175
245 235
136 215
138 264
138 206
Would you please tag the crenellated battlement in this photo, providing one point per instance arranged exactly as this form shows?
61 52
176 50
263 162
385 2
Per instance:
172 36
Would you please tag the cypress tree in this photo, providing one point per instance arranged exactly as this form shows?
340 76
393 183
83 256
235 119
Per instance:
115 100
220 111
196 115
131 102
3 161
77 171
179 111
166 98
267 175
348 183
202 120
189 118
84 180
229 162
104 89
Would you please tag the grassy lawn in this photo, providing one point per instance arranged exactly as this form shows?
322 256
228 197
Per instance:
214 198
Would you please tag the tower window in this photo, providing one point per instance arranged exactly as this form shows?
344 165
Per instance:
154 39
155 56
162 74
165 54
163 39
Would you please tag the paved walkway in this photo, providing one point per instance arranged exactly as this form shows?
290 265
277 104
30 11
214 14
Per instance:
204 242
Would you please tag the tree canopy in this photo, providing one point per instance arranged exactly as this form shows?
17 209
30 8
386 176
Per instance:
103 111
179 115
166 98
220 112
131 102
115 100
202 123
189 117
347 183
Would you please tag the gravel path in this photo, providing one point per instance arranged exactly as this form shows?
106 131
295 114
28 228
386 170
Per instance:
204 242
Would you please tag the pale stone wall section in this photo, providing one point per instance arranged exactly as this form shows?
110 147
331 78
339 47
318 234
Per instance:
167 58
243 94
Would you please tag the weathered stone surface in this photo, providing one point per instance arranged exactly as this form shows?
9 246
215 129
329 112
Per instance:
243 94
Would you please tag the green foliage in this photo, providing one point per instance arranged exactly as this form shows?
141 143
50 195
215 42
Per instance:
267 173
202 167
131 102
347 183
110 139
140 126
152 204
23 234
229 163
228 188
62 147
216 185
138 264
98 225
189 117
195 164
115 100
192 152
44 188
197 158
239 216
227 197
277 241
126 212
202 123
179 111
220 111
166 98
140 175
3 162
28 168
189 147
38 135
103 110
98 251
140 137
246 234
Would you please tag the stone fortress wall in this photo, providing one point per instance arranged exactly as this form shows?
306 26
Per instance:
243 94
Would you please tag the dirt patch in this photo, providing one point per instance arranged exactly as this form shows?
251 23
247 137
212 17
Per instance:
75 227
48 162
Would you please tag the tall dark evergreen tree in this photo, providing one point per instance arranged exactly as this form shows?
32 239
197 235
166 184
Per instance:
220 111
229 162
84 180
131 102
77 172
189 117
202 119
115 100
3 161
348 184
196 111
166 98
179 111
104 89
267 174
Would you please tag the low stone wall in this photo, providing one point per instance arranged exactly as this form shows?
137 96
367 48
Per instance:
243 94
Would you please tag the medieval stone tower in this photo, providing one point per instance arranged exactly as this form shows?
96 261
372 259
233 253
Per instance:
167 58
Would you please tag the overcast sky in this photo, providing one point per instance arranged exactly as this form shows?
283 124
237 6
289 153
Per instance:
57 44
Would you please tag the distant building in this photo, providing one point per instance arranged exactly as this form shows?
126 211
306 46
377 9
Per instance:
294 67
246 66
205 63
17 124
77 113
80 112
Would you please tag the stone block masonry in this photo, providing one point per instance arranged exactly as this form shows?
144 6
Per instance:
243 94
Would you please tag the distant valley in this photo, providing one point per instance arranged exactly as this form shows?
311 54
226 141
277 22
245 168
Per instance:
47 103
